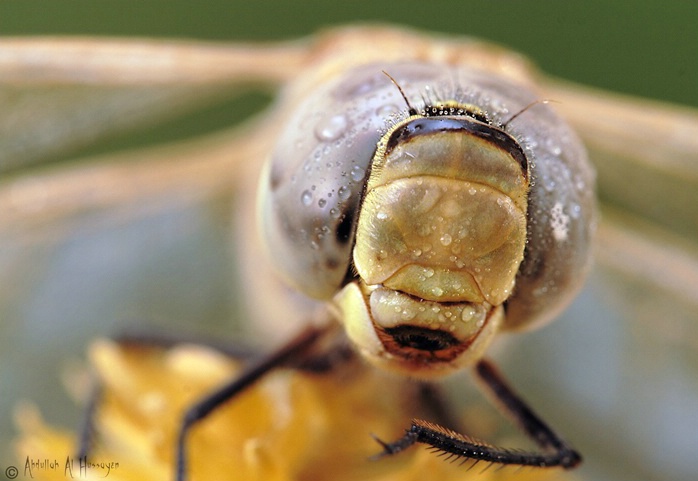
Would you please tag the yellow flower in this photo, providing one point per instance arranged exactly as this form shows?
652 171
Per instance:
291 425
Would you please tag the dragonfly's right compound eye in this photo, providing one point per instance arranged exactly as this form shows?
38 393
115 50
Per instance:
429 228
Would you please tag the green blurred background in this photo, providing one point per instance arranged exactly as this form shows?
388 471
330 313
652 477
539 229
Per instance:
643 48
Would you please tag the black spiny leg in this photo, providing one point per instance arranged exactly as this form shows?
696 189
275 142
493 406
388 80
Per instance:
294 350
86 431
555 451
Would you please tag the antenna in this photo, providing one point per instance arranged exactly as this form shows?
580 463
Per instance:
411 110
535 102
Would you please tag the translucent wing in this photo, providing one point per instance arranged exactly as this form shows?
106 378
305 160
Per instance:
59 94
91 246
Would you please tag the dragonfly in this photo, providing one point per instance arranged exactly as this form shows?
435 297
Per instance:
646 263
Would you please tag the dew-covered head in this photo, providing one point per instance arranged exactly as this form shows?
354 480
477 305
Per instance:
416 224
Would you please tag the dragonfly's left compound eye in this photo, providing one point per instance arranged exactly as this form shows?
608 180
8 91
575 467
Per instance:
429 230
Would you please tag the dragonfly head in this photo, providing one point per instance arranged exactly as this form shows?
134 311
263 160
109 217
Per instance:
440 236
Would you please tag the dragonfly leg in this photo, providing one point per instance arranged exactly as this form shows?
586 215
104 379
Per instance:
297 353
554 450
86 431
297 348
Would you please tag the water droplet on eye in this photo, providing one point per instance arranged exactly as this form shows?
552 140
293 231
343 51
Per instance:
344 192
446 239
322 203
357 173
307 197
549 184
331 128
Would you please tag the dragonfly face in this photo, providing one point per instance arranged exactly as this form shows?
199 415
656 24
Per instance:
428 228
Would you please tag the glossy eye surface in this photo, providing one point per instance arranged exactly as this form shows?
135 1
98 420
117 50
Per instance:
429 230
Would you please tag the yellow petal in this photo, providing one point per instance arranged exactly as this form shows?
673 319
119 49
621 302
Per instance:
291 425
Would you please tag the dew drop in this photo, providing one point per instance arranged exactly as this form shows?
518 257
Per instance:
357 173
331 128
344 192
307 197
446 239
437 291
549 184
321 203
575 211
